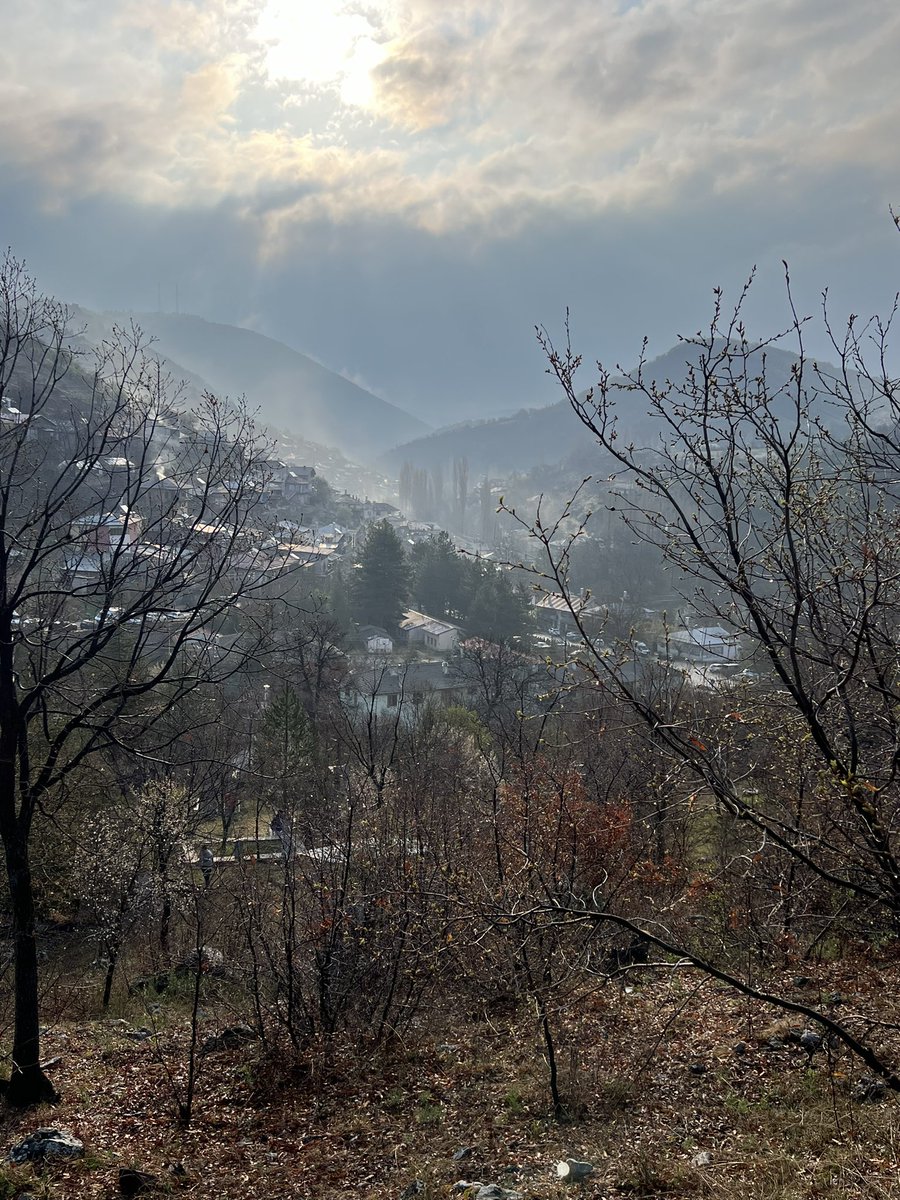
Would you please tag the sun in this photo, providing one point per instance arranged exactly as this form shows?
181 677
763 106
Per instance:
322 43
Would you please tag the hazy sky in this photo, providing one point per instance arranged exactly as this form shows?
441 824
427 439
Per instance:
403 188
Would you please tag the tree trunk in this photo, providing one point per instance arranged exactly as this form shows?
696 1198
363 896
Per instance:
165 922
112 958
27 1084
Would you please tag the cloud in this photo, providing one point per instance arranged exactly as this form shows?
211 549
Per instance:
478 112
508 157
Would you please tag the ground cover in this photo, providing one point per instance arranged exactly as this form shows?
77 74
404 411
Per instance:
675 1088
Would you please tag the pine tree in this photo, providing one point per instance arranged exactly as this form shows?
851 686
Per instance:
284 757
381 585
498 609
439 578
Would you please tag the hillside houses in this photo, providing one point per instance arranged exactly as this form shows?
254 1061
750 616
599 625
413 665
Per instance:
138 501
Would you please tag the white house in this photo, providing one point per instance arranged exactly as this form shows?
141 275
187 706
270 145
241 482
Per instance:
435 634
553 612
705 644
376 640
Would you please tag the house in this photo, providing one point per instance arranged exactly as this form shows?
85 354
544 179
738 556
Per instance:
98 539
98 533
431 632
553 612
317 559
403 691
376 640
298 481
280 480
705 644
334 536
412 532
378 510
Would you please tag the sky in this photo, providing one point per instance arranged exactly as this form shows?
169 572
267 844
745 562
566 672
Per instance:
405 188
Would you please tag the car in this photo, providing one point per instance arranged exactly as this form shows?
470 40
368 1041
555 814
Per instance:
111 614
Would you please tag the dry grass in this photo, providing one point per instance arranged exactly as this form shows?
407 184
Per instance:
651 1076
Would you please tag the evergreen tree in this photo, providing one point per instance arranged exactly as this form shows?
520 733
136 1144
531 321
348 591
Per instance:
498 609
284 761
381 585
439 575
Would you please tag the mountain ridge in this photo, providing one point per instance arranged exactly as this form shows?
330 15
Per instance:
288 389
544 436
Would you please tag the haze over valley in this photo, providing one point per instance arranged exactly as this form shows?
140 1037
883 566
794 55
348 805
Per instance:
449 593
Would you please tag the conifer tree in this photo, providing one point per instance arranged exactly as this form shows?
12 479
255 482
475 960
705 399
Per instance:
381 586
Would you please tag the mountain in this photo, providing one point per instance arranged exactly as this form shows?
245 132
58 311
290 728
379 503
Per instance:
530 438
290 390
543 436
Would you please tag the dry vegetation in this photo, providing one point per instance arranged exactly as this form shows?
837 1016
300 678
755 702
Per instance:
656 1070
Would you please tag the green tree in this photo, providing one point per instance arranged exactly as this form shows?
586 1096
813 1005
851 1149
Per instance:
284 759
498 610
439 578
381 585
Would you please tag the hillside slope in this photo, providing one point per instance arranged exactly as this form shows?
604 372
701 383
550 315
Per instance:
541 436
290 390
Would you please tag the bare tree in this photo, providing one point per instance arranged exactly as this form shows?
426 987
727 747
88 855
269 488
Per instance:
769 486
127 531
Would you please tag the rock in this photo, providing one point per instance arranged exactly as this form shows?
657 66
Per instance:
810 1041
485 1191
868 1090
702 1158
740 1049
803 981
210 961
462 1152
139 1035
775 1043
45 1144
416 1188
134 1183
698 1068
573 1170
231 1038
